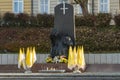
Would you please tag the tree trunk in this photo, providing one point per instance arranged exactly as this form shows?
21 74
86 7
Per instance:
83 4
84 10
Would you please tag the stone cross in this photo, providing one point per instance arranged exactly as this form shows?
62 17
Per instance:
64 8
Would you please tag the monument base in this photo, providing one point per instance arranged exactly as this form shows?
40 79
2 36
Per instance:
28 71
77 71
51 71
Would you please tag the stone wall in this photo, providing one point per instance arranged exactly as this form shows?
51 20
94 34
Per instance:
113 58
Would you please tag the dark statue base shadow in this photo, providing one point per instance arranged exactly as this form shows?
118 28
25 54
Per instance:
60 44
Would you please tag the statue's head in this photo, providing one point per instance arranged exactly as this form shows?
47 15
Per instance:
67 40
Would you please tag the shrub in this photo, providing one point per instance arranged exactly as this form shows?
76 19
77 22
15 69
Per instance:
33 21
16 37
45 20
90 20
102 20
50 21
79 21
9 19
84 21
93 40
117 20
22 19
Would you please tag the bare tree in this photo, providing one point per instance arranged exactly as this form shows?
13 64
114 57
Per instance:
84 6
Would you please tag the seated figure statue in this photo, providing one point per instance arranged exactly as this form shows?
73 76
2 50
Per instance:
60 44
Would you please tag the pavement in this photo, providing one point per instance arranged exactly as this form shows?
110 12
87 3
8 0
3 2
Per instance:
60 76
93 72
106 68
109 68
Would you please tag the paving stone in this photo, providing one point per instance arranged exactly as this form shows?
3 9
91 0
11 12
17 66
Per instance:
103 59
42 58
87 58
4 59
109 59
15 59
10 58
118 58
0 58
97 58
38 58
91 59
115 59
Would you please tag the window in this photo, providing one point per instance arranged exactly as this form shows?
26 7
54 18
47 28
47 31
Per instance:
18 6
44 6
104 6
79 9
90 6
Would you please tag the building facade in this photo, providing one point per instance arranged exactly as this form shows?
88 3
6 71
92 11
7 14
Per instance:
94 6
15 6
34 7
107 6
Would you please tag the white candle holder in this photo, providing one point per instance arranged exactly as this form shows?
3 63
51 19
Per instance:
76 70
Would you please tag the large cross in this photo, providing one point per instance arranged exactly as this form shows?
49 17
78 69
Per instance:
64 8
